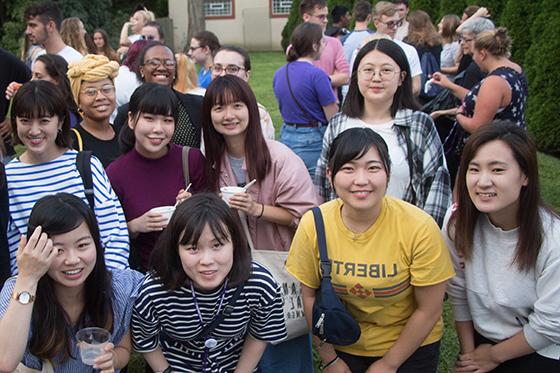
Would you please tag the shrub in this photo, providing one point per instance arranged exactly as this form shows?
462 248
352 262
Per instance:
450 7
516 16
541 66
429 6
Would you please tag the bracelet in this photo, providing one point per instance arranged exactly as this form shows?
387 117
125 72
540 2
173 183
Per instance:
262 211
332 362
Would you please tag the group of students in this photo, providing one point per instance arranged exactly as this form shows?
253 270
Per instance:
387 190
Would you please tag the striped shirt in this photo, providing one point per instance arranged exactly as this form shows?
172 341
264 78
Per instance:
27 183
125 284
258 311
430 185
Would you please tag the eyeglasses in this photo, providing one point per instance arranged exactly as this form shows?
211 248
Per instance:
321 17
385 73
465 40
393 24
156 62
147 37
192 49
230 69
107 90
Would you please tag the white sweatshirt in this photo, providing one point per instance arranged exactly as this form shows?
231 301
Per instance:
498 298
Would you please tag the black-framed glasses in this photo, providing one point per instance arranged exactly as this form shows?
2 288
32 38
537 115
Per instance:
192 49
230 69
156 62
393 24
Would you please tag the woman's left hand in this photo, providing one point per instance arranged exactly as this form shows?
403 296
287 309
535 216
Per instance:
182 196
244 202
381 366
105 363
480 360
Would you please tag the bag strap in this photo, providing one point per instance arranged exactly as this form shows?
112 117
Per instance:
79 138
410 164
322 242
83 164
309 118
185 157
228 309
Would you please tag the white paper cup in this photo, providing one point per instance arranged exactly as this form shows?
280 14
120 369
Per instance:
229 191
165 211
92 342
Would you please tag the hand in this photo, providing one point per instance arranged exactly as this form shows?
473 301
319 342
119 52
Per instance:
5 129
182 196
381 366
436 114
480 360
244 202
338 367
11 89
105 362
34 257
441 79
482 12
149 222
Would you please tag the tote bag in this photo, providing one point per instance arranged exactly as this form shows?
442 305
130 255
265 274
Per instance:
290 288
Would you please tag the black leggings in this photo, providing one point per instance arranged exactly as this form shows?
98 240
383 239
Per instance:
424 360
532 363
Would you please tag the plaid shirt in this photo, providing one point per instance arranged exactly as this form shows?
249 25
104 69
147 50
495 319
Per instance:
429 187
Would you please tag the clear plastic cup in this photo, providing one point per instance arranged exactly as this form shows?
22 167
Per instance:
91 342
165 211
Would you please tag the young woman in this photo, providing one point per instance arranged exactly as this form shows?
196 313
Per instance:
53 68
380 98
390 264
127 80
447 28
504 245
134 25
156 64
63 286
151 161
72 32
199 262
102 46
304 95
47 166
91 80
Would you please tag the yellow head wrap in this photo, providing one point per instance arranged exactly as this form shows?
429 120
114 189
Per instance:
91 68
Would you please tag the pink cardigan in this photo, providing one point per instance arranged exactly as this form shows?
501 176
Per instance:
287 185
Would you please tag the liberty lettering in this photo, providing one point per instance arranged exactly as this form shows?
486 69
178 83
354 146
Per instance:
365 270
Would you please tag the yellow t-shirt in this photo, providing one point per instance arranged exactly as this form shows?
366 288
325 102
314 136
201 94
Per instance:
374 272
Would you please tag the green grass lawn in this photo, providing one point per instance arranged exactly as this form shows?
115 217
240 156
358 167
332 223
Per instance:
264 64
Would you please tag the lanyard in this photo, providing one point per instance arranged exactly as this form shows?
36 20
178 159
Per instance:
209 343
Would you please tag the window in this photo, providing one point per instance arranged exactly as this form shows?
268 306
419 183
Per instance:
218 9
280 7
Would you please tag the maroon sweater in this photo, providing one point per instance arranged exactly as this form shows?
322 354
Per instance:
142 184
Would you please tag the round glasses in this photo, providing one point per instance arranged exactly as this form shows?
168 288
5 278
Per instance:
385 73
107 90
230 69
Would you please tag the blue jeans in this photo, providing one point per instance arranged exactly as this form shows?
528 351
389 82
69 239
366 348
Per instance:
293 356
306 142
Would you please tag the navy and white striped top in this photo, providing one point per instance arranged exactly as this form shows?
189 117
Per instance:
125 284
27 183
258 311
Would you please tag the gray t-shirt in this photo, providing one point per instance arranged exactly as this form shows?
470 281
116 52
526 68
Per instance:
237 168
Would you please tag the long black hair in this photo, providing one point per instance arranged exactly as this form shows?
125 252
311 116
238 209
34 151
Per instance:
52 331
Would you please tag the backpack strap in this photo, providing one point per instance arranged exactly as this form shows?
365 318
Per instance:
185 157
83 164
79 138
322 242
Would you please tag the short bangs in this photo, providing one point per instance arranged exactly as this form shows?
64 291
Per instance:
154 99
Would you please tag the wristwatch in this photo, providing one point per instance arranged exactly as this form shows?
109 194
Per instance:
23 297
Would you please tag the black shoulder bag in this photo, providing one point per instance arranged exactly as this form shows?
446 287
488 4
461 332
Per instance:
331 322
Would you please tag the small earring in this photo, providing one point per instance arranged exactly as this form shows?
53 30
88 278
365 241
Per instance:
59 130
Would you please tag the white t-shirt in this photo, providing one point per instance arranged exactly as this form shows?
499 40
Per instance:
400 172
412 57
68 53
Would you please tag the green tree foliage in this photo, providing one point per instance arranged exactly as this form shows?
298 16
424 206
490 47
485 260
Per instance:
429 6
495 7
450 7
541 66
293 20
516 16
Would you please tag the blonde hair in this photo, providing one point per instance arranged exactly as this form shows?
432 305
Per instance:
496 42
383 8
91 68
186 74
70 33
147 15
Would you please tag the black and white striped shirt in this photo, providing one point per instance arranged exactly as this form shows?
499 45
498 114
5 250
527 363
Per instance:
257 311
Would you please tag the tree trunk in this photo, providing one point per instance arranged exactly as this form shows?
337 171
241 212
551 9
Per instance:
197 21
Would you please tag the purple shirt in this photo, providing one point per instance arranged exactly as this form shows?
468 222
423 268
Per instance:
311 87
142 183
